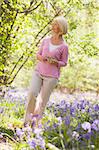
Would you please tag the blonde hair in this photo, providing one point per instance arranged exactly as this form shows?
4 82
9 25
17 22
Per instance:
62 23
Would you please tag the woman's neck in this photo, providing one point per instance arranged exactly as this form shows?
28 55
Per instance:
56 39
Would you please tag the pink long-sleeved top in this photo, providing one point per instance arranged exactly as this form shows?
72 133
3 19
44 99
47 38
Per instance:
60 53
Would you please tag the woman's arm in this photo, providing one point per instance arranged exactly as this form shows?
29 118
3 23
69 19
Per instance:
64 58
62 62
39 53
41 58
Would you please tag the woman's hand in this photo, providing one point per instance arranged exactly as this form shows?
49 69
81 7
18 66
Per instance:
47 59
52 61
41 58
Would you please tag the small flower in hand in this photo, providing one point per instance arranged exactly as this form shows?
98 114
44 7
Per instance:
52 60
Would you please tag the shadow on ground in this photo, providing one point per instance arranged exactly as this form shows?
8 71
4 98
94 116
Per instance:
6 133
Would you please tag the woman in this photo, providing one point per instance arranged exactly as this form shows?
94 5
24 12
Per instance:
52 55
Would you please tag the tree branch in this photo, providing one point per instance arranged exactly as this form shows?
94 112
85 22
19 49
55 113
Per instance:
26 11
29 10
12 26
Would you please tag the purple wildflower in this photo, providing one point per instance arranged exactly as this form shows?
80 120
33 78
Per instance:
82 105
95 125
62 102
67 120
32 144
42 144
27 128
96 107
75 135
78 127
72 110
87 136
55 125
59 120
78 106
38 131
19 132
86 126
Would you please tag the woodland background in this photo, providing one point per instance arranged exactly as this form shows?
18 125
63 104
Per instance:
23 24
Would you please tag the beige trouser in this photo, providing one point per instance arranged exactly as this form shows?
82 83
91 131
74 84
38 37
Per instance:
39 93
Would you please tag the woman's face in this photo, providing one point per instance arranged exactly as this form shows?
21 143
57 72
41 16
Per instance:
55 27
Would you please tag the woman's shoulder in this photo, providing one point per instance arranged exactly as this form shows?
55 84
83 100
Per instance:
65 45
43 40
46 38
